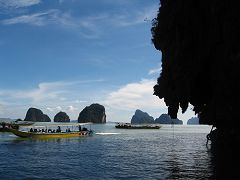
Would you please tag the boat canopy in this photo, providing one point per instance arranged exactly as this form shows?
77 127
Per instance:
48 124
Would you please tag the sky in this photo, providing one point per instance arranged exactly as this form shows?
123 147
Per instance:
64 55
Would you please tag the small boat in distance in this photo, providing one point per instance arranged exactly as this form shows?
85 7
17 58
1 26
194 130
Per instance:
136 126
5 125
48 131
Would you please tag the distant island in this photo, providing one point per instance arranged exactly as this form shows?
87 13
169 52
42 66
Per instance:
36 115
166 119
141 117
94 113
61 117
193 120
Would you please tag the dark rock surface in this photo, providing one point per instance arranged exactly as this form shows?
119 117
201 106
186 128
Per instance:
166 119
61 117
193 120
200 59
199 41
36 115
94 113
141 117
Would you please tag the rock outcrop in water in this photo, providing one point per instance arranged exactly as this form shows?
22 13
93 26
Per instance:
166 119
141 118
199 41
94 113
61 117
193 120
36 115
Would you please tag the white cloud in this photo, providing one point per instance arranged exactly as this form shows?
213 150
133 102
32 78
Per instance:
85 26
155 70
59 108
37 19
135 96
18 3
138 17
122 103
1 109
79 101
50 96
50 109
55 109
45 92
71 108
90 26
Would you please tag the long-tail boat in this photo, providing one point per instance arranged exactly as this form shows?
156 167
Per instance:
136 126
49 131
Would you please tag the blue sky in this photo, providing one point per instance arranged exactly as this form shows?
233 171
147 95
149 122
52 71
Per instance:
63 55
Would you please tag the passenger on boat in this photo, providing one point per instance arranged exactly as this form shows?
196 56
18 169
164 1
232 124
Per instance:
3 125
58 129
31 130
79 128
85 129
68 130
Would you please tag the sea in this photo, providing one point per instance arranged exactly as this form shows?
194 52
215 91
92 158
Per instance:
171 152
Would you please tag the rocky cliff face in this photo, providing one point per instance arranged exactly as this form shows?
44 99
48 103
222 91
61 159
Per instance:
199 41
166 119
94 113
61 117
36 115
141 117
193 120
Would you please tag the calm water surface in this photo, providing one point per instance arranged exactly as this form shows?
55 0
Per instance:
177 152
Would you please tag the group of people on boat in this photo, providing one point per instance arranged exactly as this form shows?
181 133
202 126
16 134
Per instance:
58 130
4 125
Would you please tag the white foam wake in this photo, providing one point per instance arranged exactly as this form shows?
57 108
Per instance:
103 133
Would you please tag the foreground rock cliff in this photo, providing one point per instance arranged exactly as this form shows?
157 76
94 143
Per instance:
141 118
61 117
36 115
94 113
199 41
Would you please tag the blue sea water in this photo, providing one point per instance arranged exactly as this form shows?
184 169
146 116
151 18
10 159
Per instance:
177 152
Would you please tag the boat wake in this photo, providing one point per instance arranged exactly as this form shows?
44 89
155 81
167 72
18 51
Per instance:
11 135
104 134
